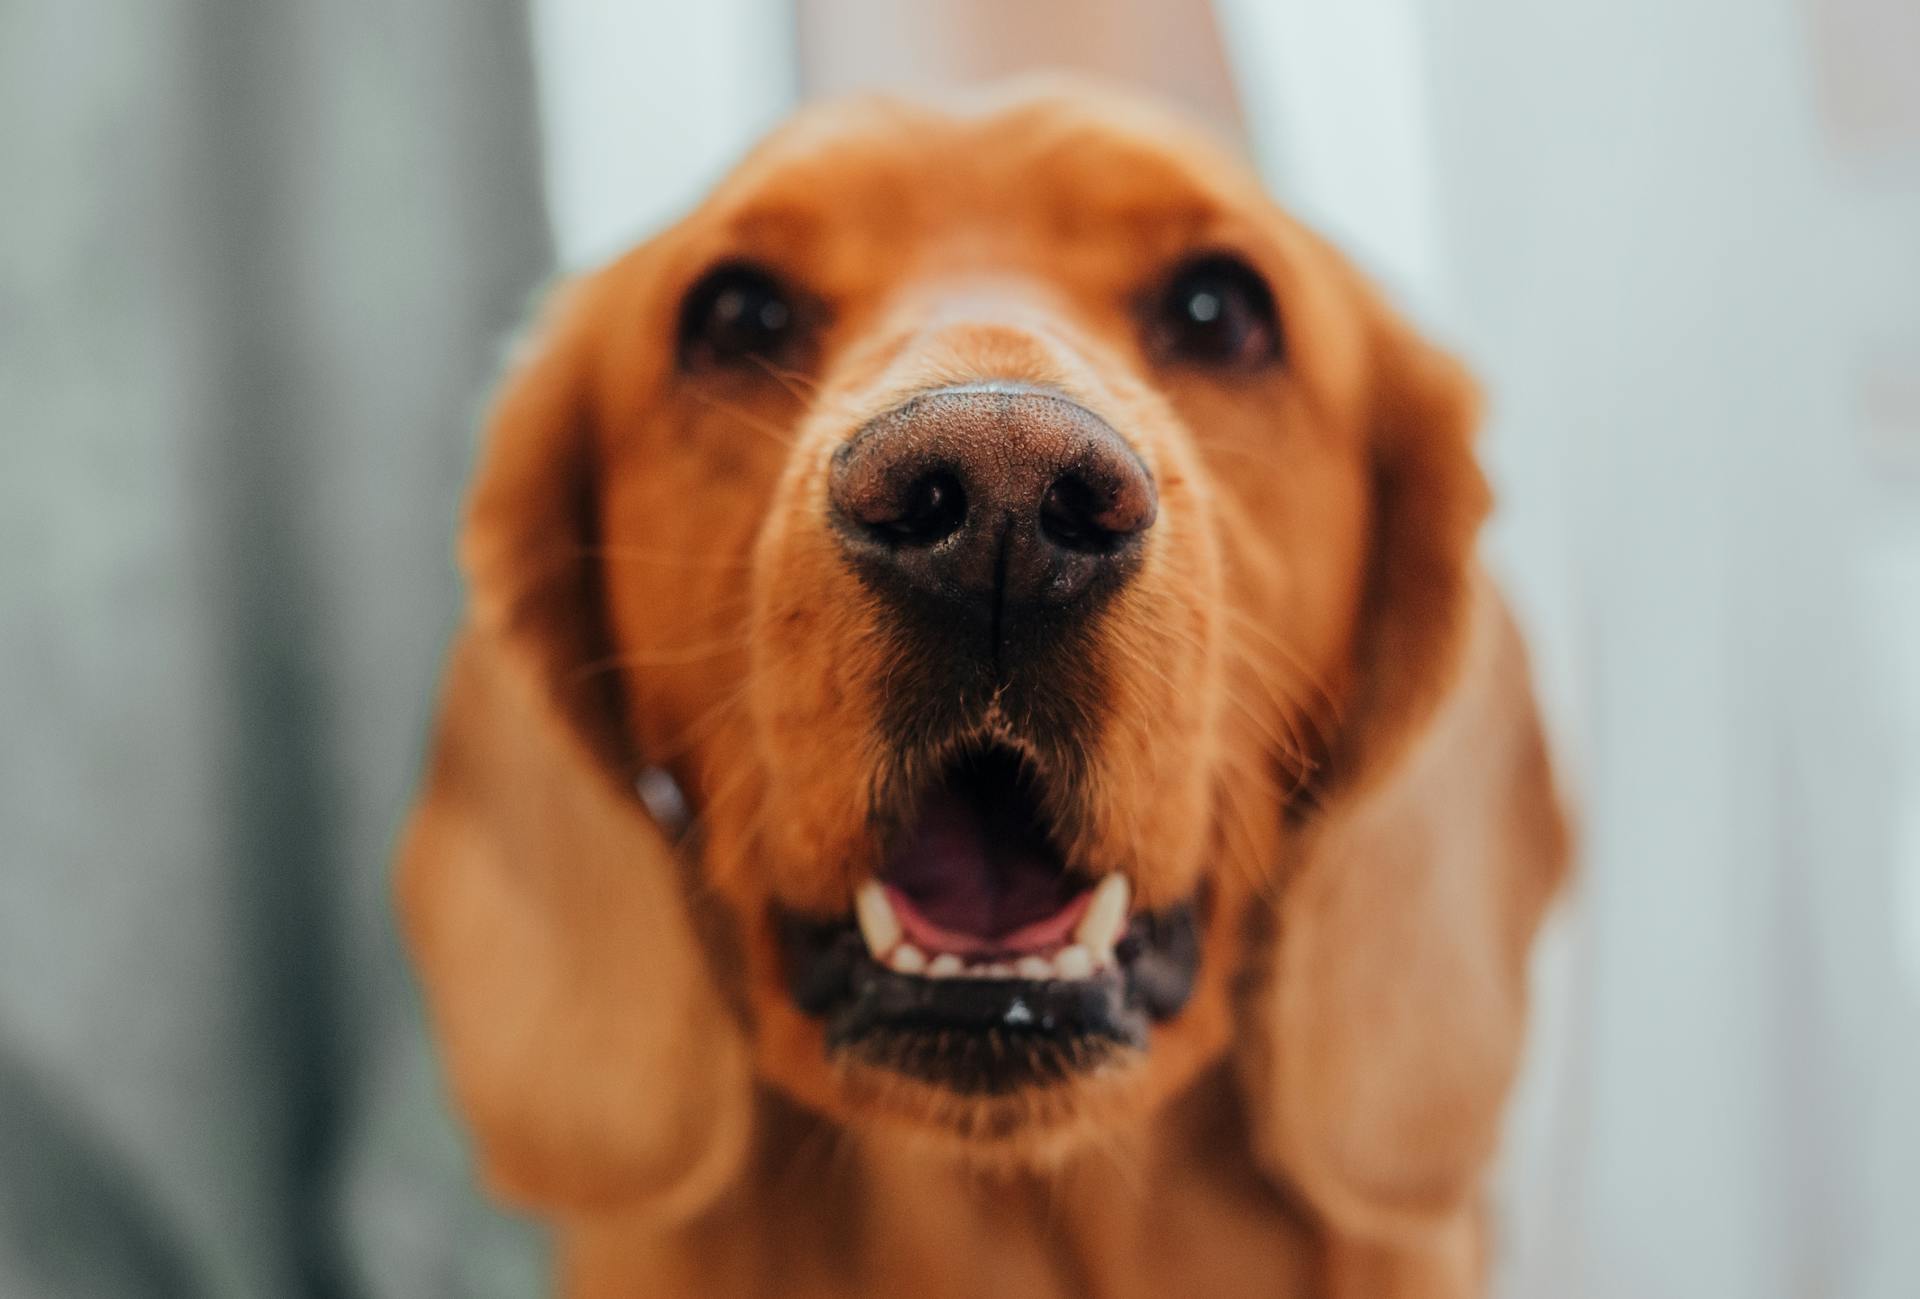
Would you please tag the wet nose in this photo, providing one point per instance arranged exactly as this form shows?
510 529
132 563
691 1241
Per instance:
995 500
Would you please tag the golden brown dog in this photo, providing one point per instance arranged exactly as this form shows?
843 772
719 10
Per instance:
1116 812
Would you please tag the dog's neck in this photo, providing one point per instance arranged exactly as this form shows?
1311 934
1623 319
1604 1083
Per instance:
1155 1212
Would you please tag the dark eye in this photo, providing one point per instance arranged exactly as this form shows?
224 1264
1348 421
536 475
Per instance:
1216 311
735 312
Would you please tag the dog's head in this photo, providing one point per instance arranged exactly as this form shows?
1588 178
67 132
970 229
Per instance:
1000 542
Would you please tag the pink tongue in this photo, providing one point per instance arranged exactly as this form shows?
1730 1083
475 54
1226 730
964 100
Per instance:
1040 936
972 877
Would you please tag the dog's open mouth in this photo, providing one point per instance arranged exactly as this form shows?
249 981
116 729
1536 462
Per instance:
979 959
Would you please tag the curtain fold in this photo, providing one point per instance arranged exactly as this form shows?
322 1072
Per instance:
258 263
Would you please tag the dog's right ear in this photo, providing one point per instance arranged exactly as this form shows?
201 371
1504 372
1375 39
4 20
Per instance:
584 1036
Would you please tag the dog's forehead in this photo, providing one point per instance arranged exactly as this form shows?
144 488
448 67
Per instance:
1073 165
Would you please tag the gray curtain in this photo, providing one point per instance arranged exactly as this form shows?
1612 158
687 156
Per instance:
256 263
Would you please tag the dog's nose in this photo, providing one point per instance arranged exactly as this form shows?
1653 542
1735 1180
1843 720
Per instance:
993 499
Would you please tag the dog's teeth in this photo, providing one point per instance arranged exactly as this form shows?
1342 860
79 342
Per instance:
1074 962
878 925
946 966
997 970
908 959
1034 967
1105 916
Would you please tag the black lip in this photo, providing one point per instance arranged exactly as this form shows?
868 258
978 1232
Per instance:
991 1036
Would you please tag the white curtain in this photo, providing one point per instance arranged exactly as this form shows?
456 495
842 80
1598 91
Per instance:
1678 239
643 107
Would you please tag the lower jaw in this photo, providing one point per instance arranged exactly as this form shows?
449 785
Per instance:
985 1038
1031 1128
981 1039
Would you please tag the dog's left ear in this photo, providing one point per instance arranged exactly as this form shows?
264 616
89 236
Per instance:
1390 1010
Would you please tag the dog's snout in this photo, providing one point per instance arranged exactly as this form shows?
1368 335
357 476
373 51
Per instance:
993 497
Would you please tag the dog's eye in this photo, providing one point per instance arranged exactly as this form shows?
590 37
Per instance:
735 312
1215 310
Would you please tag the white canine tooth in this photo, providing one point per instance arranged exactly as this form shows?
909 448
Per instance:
878 925
1105 916
1034 967
997 970
946 966
908 959
1074 962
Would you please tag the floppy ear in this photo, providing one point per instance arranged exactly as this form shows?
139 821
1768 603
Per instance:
1390 1012
585 1038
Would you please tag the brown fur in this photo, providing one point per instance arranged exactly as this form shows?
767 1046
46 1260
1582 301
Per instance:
1314 709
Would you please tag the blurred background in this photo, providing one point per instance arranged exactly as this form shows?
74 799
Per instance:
257 265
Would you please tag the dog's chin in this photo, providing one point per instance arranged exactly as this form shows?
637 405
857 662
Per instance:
1031 1129
981 986
1012 1068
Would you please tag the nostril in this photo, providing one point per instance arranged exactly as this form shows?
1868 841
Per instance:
1067 517
1075 515
931 510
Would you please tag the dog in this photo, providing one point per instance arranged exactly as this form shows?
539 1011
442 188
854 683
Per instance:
981 760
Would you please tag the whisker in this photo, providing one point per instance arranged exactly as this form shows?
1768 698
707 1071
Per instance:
701 727
1295 661
722 795
1242 850
780 437
1288 704
674 656
665 558
1291 745
1289 749
1263 457
788 379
